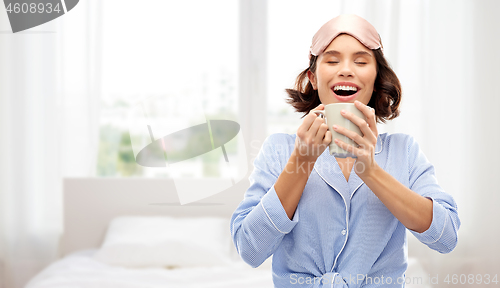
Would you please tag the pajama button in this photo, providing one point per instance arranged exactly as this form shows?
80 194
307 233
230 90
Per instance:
344 232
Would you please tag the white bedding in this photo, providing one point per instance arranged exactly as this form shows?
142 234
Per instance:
154 252
81 270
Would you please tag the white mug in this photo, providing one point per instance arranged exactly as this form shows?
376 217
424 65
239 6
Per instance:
333 117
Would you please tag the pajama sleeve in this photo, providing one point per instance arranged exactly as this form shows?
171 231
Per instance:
260 222
442 234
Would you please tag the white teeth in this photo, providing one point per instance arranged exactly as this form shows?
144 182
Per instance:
347 88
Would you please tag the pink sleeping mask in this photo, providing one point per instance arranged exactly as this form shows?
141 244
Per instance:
351 24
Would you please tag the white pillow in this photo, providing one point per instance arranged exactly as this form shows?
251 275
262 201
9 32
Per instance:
146 241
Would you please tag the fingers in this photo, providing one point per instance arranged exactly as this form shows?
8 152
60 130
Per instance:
320 107
316 134
349 148
328 137
306 124
361 123
367 127
309 120
350 134
323 129
369 113
314 130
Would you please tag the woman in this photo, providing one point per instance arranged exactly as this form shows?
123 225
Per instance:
325 225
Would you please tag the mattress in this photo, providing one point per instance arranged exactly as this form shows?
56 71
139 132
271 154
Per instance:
81 270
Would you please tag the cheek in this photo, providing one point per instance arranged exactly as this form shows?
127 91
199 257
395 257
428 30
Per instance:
369 78
324 76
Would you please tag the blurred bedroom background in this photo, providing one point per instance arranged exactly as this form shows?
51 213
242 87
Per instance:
67 87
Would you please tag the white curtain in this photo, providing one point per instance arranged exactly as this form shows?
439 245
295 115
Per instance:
444 53
49 107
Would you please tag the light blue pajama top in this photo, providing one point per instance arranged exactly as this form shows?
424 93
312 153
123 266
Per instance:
341 234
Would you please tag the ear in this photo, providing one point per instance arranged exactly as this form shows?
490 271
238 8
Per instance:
312 79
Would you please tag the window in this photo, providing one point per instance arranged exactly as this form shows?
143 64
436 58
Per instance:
289 39
177 63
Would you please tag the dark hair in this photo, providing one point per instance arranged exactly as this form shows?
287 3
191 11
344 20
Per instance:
385 99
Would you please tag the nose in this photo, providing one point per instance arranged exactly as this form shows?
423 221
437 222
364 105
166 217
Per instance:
346 70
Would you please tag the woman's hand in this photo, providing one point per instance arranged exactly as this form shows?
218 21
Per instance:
365 162
313 137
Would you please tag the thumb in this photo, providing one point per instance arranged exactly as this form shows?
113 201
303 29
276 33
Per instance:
319 107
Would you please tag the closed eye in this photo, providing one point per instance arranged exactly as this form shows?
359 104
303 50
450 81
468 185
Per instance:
332 62
361 63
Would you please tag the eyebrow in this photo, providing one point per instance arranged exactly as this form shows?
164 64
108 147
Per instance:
335 52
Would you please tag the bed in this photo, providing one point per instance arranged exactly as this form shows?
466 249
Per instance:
98 214
133 232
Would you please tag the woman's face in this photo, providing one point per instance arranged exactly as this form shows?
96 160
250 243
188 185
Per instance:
345 72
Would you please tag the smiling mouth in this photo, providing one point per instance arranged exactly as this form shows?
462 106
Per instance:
344 90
